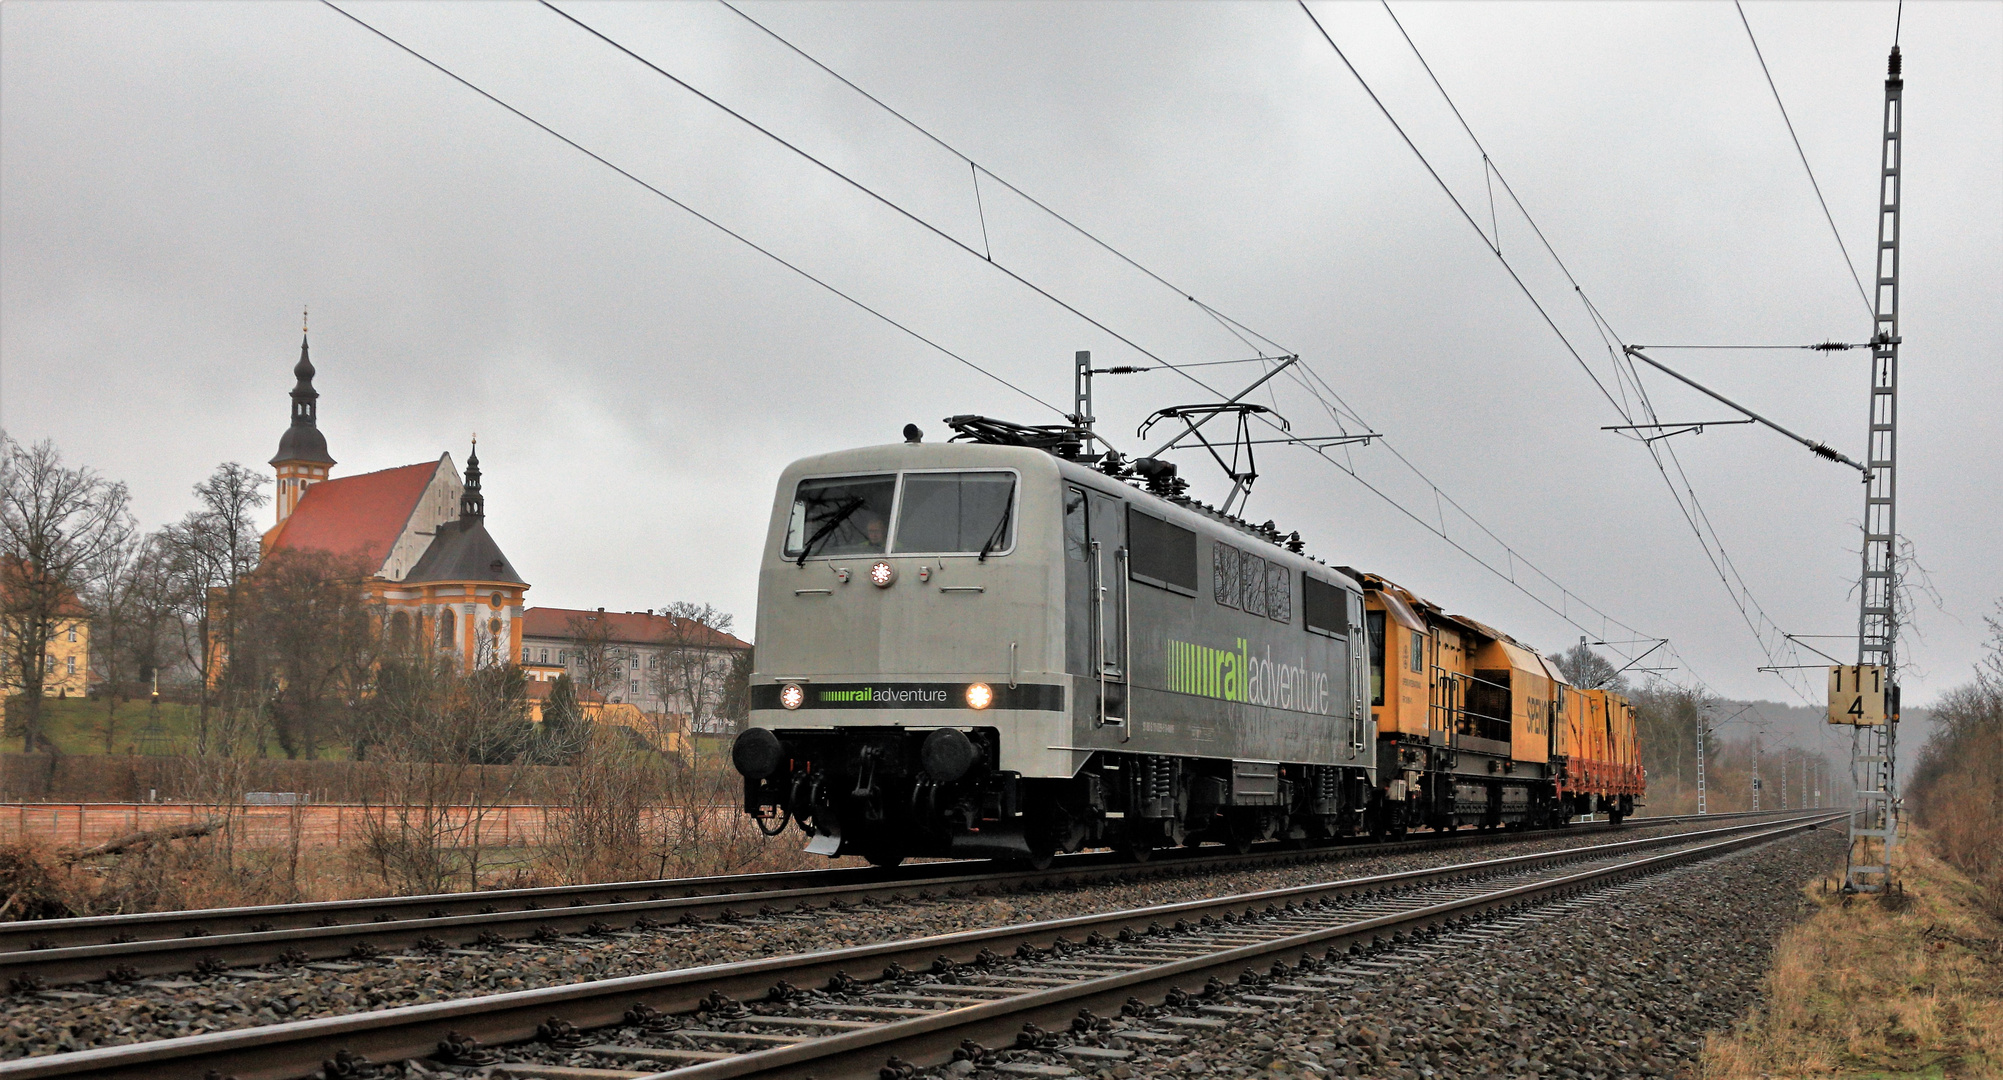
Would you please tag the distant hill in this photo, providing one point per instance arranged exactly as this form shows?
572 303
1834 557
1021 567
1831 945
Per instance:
1808 727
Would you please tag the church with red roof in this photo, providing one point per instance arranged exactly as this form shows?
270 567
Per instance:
420 529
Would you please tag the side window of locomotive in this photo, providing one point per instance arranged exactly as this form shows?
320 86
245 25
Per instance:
1418 662
1324 607
1224 574
957 513
1279 594
1374 623
848 515
1252 583
1161 554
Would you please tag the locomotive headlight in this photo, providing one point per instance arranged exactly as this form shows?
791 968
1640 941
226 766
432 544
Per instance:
792 697
980 695
882 575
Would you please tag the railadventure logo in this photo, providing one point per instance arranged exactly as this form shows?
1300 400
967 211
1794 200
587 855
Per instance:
884 697
1237 675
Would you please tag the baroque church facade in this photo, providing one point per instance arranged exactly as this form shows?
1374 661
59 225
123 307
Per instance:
420 530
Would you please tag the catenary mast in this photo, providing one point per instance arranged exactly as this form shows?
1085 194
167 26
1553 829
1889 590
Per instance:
1874 819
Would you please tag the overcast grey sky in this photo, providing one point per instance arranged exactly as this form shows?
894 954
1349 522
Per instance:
177 180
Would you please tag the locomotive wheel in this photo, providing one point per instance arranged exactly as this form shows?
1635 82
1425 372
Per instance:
1040 857
1138 851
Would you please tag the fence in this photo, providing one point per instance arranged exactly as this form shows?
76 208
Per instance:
326 825
108 778
322 825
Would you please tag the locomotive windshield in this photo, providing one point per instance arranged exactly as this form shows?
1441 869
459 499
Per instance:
956 513
939 513
848 515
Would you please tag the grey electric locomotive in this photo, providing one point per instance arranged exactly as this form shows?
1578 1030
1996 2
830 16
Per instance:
987 648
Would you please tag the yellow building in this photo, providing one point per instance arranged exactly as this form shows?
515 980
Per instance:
420 529
65 663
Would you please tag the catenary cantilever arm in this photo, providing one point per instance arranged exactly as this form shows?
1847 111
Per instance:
1823 450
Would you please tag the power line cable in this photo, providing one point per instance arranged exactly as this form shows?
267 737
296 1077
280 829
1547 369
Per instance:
860 186
1018 192
1235 326
1224 320
699 215
1848 263
1625 375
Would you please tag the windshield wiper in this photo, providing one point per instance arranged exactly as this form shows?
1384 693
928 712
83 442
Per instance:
994 538
833 523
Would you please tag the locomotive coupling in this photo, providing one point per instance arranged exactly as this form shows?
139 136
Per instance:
757 753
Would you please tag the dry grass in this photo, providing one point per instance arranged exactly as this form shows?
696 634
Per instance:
617 817
1866 988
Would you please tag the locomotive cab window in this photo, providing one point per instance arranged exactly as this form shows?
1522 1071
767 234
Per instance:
847 515
1163 555
956 513
1325 607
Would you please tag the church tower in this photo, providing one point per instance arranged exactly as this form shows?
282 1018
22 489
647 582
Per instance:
302 458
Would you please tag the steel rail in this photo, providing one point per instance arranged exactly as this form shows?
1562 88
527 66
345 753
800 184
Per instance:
41 935
293 1049
930 1040
598 908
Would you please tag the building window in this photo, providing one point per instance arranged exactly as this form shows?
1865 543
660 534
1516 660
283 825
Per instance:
73 632
635 689
445 628
636 663
545 656
73 665
525 654
51 669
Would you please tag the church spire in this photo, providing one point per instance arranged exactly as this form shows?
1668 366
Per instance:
302 459
471 503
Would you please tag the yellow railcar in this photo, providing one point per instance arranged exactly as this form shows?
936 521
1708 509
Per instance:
1475 728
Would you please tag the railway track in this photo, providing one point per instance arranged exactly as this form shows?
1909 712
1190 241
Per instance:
967 990
63 952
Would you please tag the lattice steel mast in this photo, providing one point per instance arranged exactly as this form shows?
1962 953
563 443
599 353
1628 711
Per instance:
1874 819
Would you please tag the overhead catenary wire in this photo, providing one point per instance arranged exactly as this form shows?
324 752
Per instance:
1338 412
859 185
1223 320
685 207
1848 263
1626 378
1694 513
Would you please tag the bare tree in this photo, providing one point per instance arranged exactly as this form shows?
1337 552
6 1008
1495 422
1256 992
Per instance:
736 708
307 637
600 664
693 671
1588 670
213 551
59 526
111 595
431 728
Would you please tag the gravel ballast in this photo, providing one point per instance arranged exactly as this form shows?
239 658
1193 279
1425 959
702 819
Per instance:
109 1013
1626 982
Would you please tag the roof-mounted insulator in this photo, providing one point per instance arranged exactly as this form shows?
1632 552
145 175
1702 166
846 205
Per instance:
1893 65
